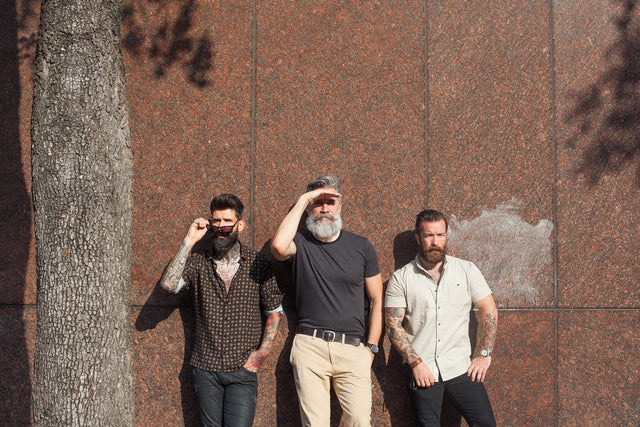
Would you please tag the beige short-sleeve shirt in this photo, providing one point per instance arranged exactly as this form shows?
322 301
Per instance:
437 315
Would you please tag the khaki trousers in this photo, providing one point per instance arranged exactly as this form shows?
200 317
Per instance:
316 365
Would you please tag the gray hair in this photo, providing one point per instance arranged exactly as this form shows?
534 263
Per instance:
325 181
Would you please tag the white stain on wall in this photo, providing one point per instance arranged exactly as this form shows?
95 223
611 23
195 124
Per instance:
514 256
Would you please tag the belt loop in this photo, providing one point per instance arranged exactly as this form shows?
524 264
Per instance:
315 331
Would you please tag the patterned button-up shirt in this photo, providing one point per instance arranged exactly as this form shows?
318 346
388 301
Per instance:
229 325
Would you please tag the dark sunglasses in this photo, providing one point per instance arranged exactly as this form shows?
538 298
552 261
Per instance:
223 230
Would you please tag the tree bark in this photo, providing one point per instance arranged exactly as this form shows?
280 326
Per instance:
82 166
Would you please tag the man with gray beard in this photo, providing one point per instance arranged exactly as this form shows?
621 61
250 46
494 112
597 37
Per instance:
333 270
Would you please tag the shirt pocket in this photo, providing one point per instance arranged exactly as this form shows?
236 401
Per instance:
457 295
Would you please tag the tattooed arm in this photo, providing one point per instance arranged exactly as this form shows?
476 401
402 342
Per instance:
173 273
270 330
487 328
393 317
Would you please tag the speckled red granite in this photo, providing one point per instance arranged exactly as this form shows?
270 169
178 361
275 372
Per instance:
522 380
190 143
598 374
340 90
598 226
490 115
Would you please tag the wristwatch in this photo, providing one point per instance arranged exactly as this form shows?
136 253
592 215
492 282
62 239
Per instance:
485 353
372 347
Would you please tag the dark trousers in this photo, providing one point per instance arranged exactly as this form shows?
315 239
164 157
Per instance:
469 397
226 398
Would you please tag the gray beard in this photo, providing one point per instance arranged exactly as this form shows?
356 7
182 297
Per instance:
322 229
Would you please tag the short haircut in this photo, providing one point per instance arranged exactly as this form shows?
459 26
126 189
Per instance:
430 215
325 181
227 201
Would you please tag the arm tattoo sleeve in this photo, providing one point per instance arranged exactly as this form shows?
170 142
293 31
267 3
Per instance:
397 334
487 328
173 273
270 330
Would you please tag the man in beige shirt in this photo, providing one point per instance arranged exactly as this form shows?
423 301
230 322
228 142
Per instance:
427 309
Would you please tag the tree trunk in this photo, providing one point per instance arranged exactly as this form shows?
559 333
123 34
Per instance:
82 174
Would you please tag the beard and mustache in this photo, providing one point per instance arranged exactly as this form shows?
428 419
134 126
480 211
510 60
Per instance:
221 246
433 254
324 229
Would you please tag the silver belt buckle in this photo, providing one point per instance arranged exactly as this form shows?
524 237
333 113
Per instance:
328 335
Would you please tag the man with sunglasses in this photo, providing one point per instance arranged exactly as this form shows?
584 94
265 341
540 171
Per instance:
333 270
232 285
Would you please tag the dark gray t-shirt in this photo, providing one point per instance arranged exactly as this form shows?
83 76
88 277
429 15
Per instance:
329 281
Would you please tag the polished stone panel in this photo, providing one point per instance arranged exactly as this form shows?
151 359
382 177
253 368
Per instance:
598 227
521 383
161 346
489 135
598 374
340 90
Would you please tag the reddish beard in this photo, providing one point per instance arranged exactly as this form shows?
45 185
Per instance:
434 254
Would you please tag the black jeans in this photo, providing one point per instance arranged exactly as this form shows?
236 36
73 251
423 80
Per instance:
469 397
226 398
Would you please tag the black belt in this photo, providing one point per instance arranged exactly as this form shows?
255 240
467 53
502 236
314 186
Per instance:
330 335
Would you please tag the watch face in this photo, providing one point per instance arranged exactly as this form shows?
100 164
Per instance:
484 353
373 347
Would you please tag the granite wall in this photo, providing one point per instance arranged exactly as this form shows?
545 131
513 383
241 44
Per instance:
518 118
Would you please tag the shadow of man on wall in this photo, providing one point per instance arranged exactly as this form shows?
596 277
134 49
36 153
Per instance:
151 314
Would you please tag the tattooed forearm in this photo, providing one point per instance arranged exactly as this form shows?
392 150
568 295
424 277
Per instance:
487 329
393 317
270 330
173 273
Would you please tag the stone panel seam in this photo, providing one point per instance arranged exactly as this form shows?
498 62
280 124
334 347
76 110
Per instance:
254 69
426 103
554 198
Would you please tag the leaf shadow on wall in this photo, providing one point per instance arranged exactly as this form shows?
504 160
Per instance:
171 41
606 114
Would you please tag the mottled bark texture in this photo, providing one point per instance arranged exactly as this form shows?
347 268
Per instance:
82 175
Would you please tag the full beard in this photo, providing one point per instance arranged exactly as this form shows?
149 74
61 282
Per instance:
222 245
324 229
434 254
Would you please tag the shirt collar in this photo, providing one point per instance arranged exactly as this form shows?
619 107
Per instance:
421 267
